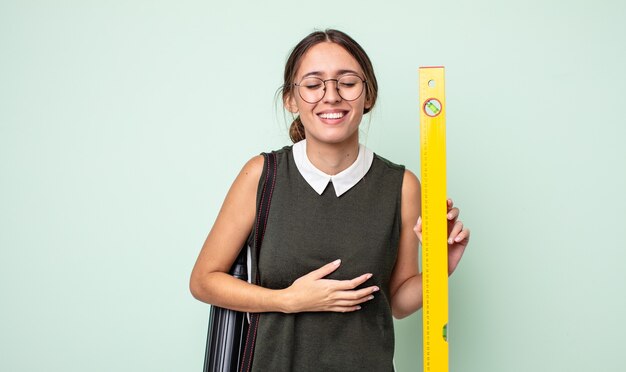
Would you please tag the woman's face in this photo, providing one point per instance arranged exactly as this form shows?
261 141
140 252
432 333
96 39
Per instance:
332 119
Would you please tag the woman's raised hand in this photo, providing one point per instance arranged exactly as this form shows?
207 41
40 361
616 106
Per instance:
458 236
312 292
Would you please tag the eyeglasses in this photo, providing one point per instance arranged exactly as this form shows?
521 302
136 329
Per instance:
312 89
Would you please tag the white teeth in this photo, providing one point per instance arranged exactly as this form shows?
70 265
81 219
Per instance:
333 115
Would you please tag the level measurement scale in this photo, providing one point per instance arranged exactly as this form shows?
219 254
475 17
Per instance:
434 221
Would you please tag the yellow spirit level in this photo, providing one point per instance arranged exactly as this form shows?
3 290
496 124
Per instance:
434 221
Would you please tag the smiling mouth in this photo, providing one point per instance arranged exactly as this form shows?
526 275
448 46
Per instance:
332 115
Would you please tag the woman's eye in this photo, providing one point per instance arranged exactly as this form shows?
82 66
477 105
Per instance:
348 82
312 84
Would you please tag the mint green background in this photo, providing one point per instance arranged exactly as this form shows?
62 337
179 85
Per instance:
122 125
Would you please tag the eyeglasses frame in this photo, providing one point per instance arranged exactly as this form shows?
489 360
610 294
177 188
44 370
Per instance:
297 85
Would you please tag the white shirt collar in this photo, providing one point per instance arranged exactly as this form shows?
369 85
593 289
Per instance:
342 181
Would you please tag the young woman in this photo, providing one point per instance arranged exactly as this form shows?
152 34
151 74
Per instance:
340 253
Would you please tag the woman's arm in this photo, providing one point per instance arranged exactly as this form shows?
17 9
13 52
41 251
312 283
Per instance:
211 283
406 280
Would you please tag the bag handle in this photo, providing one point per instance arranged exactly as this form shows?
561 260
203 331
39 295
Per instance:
259 233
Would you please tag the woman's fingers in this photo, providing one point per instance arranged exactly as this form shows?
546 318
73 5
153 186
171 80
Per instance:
350 297
356 296
343 296
418 228
351 300
453 214
329 294
463 235
458 227
343 285
324 270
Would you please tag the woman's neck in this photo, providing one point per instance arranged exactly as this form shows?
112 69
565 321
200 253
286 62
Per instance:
332 158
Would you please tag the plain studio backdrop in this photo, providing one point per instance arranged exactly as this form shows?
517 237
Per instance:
123 124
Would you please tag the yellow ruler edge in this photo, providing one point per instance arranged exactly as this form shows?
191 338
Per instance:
434 222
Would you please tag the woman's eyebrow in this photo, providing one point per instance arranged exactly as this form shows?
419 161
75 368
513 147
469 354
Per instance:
343 72
312 73
338 73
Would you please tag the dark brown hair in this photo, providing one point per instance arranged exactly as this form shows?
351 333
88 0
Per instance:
296 130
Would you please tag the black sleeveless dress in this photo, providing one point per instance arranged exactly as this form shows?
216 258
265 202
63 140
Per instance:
305 231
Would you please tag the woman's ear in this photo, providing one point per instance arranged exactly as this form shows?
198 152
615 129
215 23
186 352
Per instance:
290 104
368 99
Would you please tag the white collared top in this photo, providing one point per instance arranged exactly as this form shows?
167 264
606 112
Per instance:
342 181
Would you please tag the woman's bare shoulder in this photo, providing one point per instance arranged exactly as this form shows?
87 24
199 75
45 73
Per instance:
253 167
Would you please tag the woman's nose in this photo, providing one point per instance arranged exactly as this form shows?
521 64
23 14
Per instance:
331 93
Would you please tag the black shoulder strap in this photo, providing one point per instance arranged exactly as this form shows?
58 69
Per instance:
264 205
259 232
